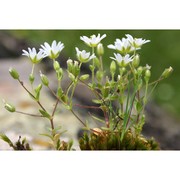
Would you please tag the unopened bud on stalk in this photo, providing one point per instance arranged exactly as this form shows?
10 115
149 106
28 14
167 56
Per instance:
13 73
31 78
139 70
100 49
44 79
70 65
84 77
122 70
119 77
59 74
113 67
167 72
147 75
136 61
9 107
56 65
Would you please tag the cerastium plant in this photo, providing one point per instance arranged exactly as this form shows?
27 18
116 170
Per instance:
121 92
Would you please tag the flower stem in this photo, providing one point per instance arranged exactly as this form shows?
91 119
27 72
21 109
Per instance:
34 115
77 117
93 67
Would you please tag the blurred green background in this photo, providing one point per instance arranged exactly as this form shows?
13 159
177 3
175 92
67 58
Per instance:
163 51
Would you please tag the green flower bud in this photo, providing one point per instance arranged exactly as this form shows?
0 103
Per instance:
71 77
139 70
69 65
84 77
44 79
100 49
99 75
14 73
167 72
122 70
76 70
113 67
59 74
97 62
119 77
56 65
31 78
136 61
147 75
9 107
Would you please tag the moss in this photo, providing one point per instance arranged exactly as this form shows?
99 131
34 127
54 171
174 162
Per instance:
111 141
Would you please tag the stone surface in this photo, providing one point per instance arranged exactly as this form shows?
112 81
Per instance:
18 124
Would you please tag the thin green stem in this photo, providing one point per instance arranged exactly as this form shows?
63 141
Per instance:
32 71
93 68
29 114
38 102
78 117
101 63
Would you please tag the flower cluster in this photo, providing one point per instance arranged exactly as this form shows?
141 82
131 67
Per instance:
52 52
120 92
125 47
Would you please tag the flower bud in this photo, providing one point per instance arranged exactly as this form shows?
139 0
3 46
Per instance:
59 74
113 67
139 70
97 62
44 79
84 77
99 75
9 107
69 65
136 61
71 77
56 65
14 73
100 49
167 72
119 77
122 70
31 78
147 75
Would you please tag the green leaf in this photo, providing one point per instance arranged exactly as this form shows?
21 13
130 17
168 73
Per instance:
45 114
70 143
60 92
6 139
56 137
37 91
98 119
112 97
139 106
97 101
47 135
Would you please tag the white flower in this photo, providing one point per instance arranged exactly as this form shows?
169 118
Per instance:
84 56
33 55
148 67
93 41
122 60
136 42
122 46
52 51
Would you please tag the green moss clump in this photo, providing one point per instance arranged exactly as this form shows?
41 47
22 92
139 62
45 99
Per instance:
111 141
